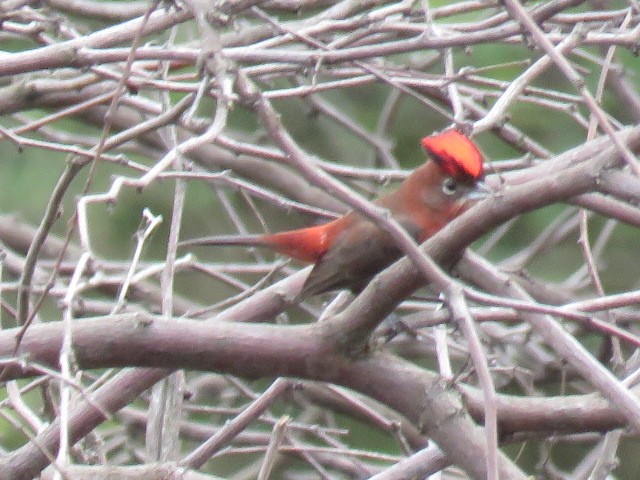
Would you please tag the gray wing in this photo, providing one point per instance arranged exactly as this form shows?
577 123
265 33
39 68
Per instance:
354 258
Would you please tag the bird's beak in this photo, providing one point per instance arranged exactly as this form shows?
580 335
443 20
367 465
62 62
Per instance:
481 190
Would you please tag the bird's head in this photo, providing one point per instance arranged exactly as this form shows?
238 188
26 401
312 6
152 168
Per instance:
457 171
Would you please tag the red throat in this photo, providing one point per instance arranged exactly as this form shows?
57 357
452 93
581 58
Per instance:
455 153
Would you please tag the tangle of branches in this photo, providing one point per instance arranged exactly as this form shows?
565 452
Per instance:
128 126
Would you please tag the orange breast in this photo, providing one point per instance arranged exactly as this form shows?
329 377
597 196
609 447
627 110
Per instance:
431 222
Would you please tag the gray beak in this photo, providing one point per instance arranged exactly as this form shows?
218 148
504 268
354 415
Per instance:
480 191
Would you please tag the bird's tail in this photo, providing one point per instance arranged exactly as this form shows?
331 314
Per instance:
237 240
306 244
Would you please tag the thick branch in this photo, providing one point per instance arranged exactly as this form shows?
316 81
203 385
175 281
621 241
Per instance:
251 350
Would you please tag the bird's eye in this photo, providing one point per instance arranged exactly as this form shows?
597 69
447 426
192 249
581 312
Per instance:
449 186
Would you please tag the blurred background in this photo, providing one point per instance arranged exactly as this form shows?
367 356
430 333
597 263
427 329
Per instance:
358 125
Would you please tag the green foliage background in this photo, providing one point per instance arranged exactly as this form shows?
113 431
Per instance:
27 178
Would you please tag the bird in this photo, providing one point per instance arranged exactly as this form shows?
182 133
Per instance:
349 251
